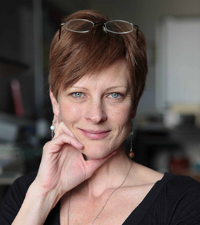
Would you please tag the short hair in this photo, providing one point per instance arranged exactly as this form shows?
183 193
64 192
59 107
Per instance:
77 54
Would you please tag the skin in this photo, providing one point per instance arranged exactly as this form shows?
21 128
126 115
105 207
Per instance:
99 103
92 121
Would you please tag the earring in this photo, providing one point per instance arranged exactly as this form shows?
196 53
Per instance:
52 127
131 153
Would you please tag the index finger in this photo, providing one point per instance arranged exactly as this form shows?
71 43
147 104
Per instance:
62 128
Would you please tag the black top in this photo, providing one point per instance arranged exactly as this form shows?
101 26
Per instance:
174 200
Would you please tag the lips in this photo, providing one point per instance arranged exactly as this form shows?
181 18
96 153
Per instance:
95 134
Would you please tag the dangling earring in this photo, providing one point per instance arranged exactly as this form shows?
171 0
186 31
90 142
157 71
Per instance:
131 153
52 127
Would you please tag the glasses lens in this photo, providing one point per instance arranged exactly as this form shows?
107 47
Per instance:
119 26
79 25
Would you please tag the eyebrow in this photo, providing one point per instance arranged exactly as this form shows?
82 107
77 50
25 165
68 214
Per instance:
115 87
79 87
112 87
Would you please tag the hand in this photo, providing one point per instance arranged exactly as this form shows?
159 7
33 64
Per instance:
63 166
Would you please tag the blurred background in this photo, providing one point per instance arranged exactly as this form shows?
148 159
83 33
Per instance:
167 125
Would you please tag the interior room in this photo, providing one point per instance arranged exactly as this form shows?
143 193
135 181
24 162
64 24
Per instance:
167 123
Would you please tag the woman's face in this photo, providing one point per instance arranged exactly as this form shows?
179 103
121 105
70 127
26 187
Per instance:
98 110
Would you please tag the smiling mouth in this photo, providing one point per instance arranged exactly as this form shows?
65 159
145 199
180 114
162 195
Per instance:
95 135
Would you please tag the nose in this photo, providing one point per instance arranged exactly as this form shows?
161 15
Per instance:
95 112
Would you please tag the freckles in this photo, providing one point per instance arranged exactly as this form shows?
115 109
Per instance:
70 114
70 109
120 111
77 110
124 118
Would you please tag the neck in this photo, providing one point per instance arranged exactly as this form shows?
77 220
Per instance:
109 176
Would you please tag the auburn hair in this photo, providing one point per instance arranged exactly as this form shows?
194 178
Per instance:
77 54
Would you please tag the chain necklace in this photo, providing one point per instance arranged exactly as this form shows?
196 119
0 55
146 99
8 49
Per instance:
106 200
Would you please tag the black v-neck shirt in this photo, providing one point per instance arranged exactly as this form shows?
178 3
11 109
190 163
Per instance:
174 200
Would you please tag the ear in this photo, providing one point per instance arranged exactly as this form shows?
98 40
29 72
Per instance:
55 104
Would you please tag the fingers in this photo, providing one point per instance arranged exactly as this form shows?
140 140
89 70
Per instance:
56 144
60 129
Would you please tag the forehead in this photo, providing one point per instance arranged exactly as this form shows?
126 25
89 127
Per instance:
115 75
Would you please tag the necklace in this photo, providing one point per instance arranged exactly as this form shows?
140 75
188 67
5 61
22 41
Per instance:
106 200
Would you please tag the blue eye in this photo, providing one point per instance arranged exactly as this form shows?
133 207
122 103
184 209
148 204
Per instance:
77 94
115 95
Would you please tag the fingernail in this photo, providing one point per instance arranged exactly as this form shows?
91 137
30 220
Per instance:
80 144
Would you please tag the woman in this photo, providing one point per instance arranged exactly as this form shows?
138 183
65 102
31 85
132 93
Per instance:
97 76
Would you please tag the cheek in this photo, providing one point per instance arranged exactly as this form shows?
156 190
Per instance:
124 119
122 114
69 113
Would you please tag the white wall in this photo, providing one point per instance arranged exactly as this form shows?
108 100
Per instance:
146 14
178 67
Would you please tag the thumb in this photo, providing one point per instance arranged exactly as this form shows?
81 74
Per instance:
94 164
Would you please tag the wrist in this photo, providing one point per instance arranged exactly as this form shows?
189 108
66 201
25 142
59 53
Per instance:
44 197
36 206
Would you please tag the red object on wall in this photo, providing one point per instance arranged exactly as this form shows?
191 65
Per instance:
17 98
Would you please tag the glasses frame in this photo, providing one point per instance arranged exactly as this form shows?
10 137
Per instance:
104 26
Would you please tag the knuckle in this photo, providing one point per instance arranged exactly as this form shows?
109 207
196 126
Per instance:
64 135
46 145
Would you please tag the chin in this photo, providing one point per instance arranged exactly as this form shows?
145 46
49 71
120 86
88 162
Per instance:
97 151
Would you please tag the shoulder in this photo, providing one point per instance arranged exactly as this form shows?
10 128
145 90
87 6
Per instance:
21 185
142 175
172 188
179 183
178 199
24 181
164 183
14 198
